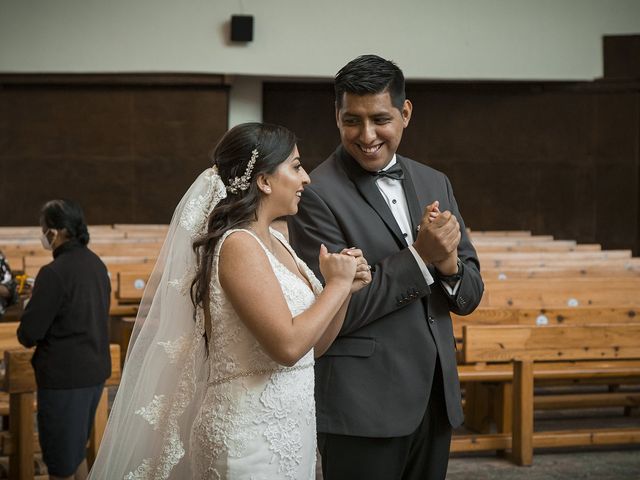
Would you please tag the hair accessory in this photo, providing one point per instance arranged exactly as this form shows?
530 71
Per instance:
243 182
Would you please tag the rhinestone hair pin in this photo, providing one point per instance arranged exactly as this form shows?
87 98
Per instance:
242 183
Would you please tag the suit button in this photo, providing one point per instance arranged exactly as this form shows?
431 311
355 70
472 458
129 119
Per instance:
431 319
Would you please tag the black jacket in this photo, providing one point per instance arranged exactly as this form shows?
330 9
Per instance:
374 381
67 319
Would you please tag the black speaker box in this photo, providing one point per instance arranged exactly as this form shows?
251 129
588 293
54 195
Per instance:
241 28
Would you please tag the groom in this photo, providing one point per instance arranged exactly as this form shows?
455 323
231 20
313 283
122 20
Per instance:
387 390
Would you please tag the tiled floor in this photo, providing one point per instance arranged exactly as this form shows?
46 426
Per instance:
567 465
589 463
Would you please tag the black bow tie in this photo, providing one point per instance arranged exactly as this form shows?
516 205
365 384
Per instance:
394 172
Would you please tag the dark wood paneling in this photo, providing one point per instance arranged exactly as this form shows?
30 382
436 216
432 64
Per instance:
125 146
621 56
307 110
557 158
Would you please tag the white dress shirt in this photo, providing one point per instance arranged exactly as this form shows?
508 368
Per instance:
393 194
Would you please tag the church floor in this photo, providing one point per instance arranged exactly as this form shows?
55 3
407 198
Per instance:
577 463
621 464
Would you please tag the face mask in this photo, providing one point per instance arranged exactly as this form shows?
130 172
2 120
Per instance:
45 241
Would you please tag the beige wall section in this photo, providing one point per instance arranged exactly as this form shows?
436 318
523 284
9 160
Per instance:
479 39
245 100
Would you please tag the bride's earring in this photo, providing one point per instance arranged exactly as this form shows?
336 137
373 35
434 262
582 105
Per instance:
264 185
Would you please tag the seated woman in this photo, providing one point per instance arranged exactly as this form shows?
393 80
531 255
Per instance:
8 290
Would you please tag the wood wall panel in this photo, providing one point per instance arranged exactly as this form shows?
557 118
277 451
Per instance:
125 146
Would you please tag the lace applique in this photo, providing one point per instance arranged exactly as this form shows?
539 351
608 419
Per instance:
196 211
164 415
287 402
143 472
175 348
154 411
183 284
173 448
285 440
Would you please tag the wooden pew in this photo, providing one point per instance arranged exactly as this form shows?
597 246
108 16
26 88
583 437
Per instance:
551 259
131 285
20 443
480 413
546 353
552 246
619 268
500 233
545 316
559 292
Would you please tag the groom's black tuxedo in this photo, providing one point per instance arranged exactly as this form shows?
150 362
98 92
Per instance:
375 380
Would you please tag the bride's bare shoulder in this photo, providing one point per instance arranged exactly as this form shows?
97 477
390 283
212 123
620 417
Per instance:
242 253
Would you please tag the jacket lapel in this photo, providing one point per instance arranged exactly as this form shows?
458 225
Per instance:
415 212
366 185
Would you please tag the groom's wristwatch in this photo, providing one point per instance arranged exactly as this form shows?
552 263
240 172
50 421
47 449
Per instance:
452 279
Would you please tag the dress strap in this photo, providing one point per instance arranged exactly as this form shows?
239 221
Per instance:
283 241
233 230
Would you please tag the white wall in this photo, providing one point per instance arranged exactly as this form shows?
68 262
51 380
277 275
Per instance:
453 39
245 100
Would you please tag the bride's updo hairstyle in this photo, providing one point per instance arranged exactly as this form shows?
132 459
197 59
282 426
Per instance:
232 156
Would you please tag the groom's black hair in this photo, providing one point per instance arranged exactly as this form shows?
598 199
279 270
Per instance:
370 74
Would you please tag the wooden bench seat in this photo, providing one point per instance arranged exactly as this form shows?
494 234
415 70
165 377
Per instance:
556 246
559 292
547 353
113 262
551 259
21 442
131 285
618 268
500 233
581 315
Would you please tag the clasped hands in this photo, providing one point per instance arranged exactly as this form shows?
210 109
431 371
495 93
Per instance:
438 238
349 266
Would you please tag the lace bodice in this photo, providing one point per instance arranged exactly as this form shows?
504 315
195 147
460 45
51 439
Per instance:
234 351
255 408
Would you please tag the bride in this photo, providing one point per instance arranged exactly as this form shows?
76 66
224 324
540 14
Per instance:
219 381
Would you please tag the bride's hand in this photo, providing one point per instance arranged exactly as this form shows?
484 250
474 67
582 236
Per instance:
362 276
336 267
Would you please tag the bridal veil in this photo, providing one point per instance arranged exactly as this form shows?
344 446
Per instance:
165 372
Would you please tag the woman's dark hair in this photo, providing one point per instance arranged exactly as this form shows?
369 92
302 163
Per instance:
370 74
65 215
231 156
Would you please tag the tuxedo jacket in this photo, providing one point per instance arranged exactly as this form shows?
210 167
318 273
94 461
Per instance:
375 379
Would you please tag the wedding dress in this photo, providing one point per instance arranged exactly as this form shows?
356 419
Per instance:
257 420
225 410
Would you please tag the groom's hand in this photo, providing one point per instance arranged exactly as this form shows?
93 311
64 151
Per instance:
438 237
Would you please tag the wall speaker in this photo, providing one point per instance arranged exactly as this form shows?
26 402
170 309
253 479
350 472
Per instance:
241 28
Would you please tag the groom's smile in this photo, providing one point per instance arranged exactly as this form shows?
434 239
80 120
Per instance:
371 128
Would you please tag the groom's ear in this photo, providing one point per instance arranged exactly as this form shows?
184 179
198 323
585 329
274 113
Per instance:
407 109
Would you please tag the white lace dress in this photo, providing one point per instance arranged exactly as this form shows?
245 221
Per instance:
257 420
